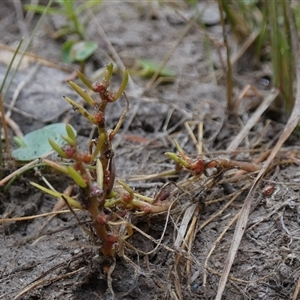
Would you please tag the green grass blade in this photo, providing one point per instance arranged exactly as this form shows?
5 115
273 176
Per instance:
41 8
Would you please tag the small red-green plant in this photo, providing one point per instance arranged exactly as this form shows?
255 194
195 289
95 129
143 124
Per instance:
199 165
93 171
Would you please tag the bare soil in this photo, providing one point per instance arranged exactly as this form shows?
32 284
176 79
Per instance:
56 259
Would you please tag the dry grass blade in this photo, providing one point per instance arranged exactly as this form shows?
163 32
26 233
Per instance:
168 55
188 214
4 121
290 126
43 281
232 221
18 172
134 88
190 237
220 211
253 120
58 212
31 57
19 89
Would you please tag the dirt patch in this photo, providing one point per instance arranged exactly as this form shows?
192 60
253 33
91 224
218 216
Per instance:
57 260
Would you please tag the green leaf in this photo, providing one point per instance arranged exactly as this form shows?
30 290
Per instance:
80 51
108 72
57 148
86 5
76 177
56 194
69 6
85 81
82 92
37 144
66 51
69 140
149 68
122 86
71 133
19 141
80 109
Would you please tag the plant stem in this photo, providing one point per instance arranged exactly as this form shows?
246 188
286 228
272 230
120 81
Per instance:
229 84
